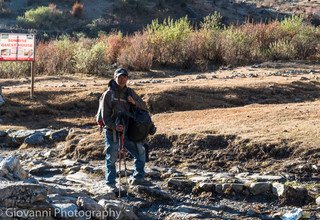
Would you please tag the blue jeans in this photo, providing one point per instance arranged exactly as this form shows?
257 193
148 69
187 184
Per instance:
112 149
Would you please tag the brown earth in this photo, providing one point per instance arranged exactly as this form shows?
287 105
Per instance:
262 119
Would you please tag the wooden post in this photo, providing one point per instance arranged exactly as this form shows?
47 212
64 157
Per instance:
32 80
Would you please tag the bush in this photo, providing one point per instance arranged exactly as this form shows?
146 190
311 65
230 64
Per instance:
167 38
91 60
282 50
291 26
137 55
211 22
77 9
43 17
56 57
115 42
306 42
238 46
14 69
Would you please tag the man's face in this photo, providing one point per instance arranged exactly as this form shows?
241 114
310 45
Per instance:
122 80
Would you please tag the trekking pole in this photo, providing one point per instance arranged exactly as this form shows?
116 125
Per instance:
125 164
119 181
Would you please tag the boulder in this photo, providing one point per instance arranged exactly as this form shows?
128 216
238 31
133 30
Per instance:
318 201
180 184
21 195
88 204
34 139
117 210
260 188
11 169
19 136
296 196
204 187
151 193
237 187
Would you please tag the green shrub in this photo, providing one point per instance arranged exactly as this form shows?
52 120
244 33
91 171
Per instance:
292 25
211 22
238 46
14 69
167 38
306 42
282 50
137 55
91 60
43 17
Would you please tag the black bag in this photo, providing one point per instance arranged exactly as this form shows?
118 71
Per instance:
139 125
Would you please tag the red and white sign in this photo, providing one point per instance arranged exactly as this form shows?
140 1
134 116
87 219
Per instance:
17 47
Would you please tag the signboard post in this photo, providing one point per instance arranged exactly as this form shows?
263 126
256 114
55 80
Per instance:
18 47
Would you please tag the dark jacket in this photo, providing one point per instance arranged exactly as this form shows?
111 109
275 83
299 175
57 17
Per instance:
115 100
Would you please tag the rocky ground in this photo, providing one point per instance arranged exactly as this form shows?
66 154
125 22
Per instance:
236 143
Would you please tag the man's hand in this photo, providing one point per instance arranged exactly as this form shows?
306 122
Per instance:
131 100
119 128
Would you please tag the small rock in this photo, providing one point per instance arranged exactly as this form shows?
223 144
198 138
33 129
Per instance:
318 200
180 184
65 210
152 193
278 189
34 139
237 187
260 188
266 178
2 102
50 154
3 134
20 136
59 135
204 187
303 78
182 215
201 77
89 204
117 210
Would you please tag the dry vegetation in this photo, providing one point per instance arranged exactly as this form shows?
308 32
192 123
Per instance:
174 43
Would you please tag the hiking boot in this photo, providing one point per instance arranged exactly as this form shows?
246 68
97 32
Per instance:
142 182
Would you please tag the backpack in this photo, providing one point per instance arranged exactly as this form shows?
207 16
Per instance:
99 118
139 125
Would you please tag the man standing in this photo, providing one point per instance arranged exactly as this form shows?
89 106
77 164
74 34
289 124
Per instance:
116 101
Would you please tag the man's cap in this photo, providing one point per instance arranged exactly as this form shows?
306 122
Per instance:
120 71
